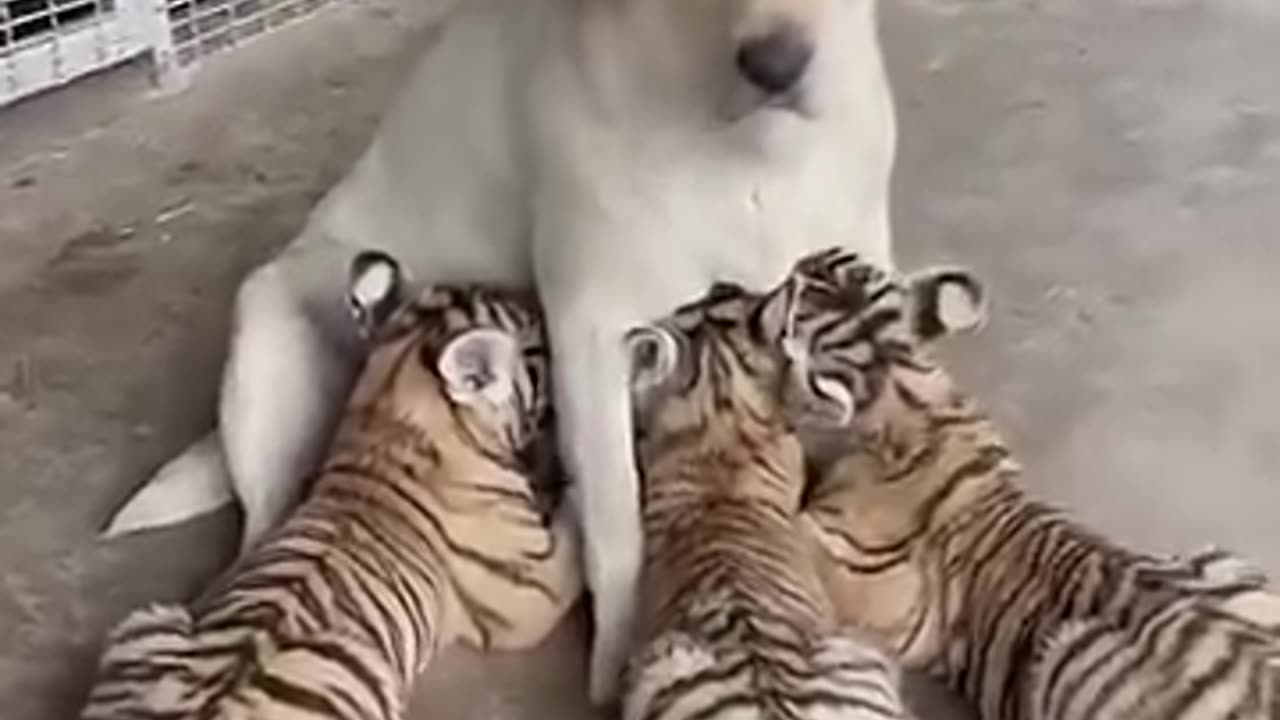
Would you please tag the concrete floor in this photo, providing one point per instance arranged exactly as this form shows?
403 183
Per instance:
1112 169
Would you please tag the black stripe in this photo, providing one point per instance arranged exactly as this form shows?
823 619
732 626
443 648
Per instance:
985 460
399 564
1217 677
497 566
338 653
1151 634
287 692
678 688
1019 650
1066 660
352 610
816 699
152 628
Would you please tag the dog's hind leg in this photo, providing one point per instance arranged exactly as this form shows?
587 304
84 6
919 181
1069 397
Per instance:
292 360
292 356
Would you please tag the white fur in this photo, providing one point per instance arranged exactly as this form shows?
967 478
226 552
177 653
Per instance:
958 310
606 150
373 285
191 484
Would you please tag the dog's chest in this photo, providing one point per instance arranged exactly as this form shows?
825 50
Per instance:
683 228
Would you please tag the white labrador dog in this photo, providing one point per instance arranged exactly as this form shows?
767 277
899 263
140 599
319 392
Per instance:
620 154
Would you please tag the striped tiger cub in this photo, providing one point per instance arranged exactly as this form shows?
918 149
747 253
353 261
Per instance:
733 619
427 524
924 537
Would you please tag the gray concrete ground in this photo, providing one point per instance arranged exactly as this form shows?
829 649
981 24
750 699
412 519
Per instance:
1113 169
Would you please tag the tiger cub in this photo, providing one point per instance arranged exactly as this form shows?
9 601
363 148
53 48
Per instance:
924 537
734 621
426 525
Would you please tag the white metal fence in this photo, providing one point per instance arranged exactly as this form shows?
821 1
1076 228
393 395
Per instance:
199 27
44 43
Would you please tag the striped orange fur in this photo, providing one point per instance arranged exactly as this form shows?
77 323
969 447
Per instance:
735 622
925 537
426 525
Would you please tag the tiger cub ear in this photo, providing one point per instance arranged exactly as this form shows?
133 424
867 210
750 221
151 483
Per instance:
946 300
772 320
374 290
654 353
479 366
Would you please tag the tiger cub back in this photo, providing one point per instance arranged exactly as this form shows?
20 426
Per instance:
426 524
924 537
734 621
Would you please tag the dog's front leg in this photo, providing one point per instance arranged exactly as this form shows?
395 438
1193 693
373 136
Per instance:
593 409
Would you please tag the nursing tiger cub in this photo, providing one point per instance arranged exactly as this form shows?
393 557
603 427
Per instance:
734 622
428 523
924 537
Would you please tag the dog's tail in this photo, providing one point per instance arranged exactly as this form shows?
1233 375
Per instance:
194 483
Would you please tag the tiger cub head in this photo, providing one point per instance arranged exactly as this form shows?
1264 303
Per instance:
918 454
707 387
463 362
817 353
860 339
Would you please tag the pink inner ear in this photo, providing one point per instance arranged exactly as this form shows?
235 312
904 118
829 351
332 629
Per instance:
479 363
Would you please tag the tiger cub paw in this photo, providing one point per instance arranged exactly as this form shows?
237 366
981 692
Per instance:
1211 570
